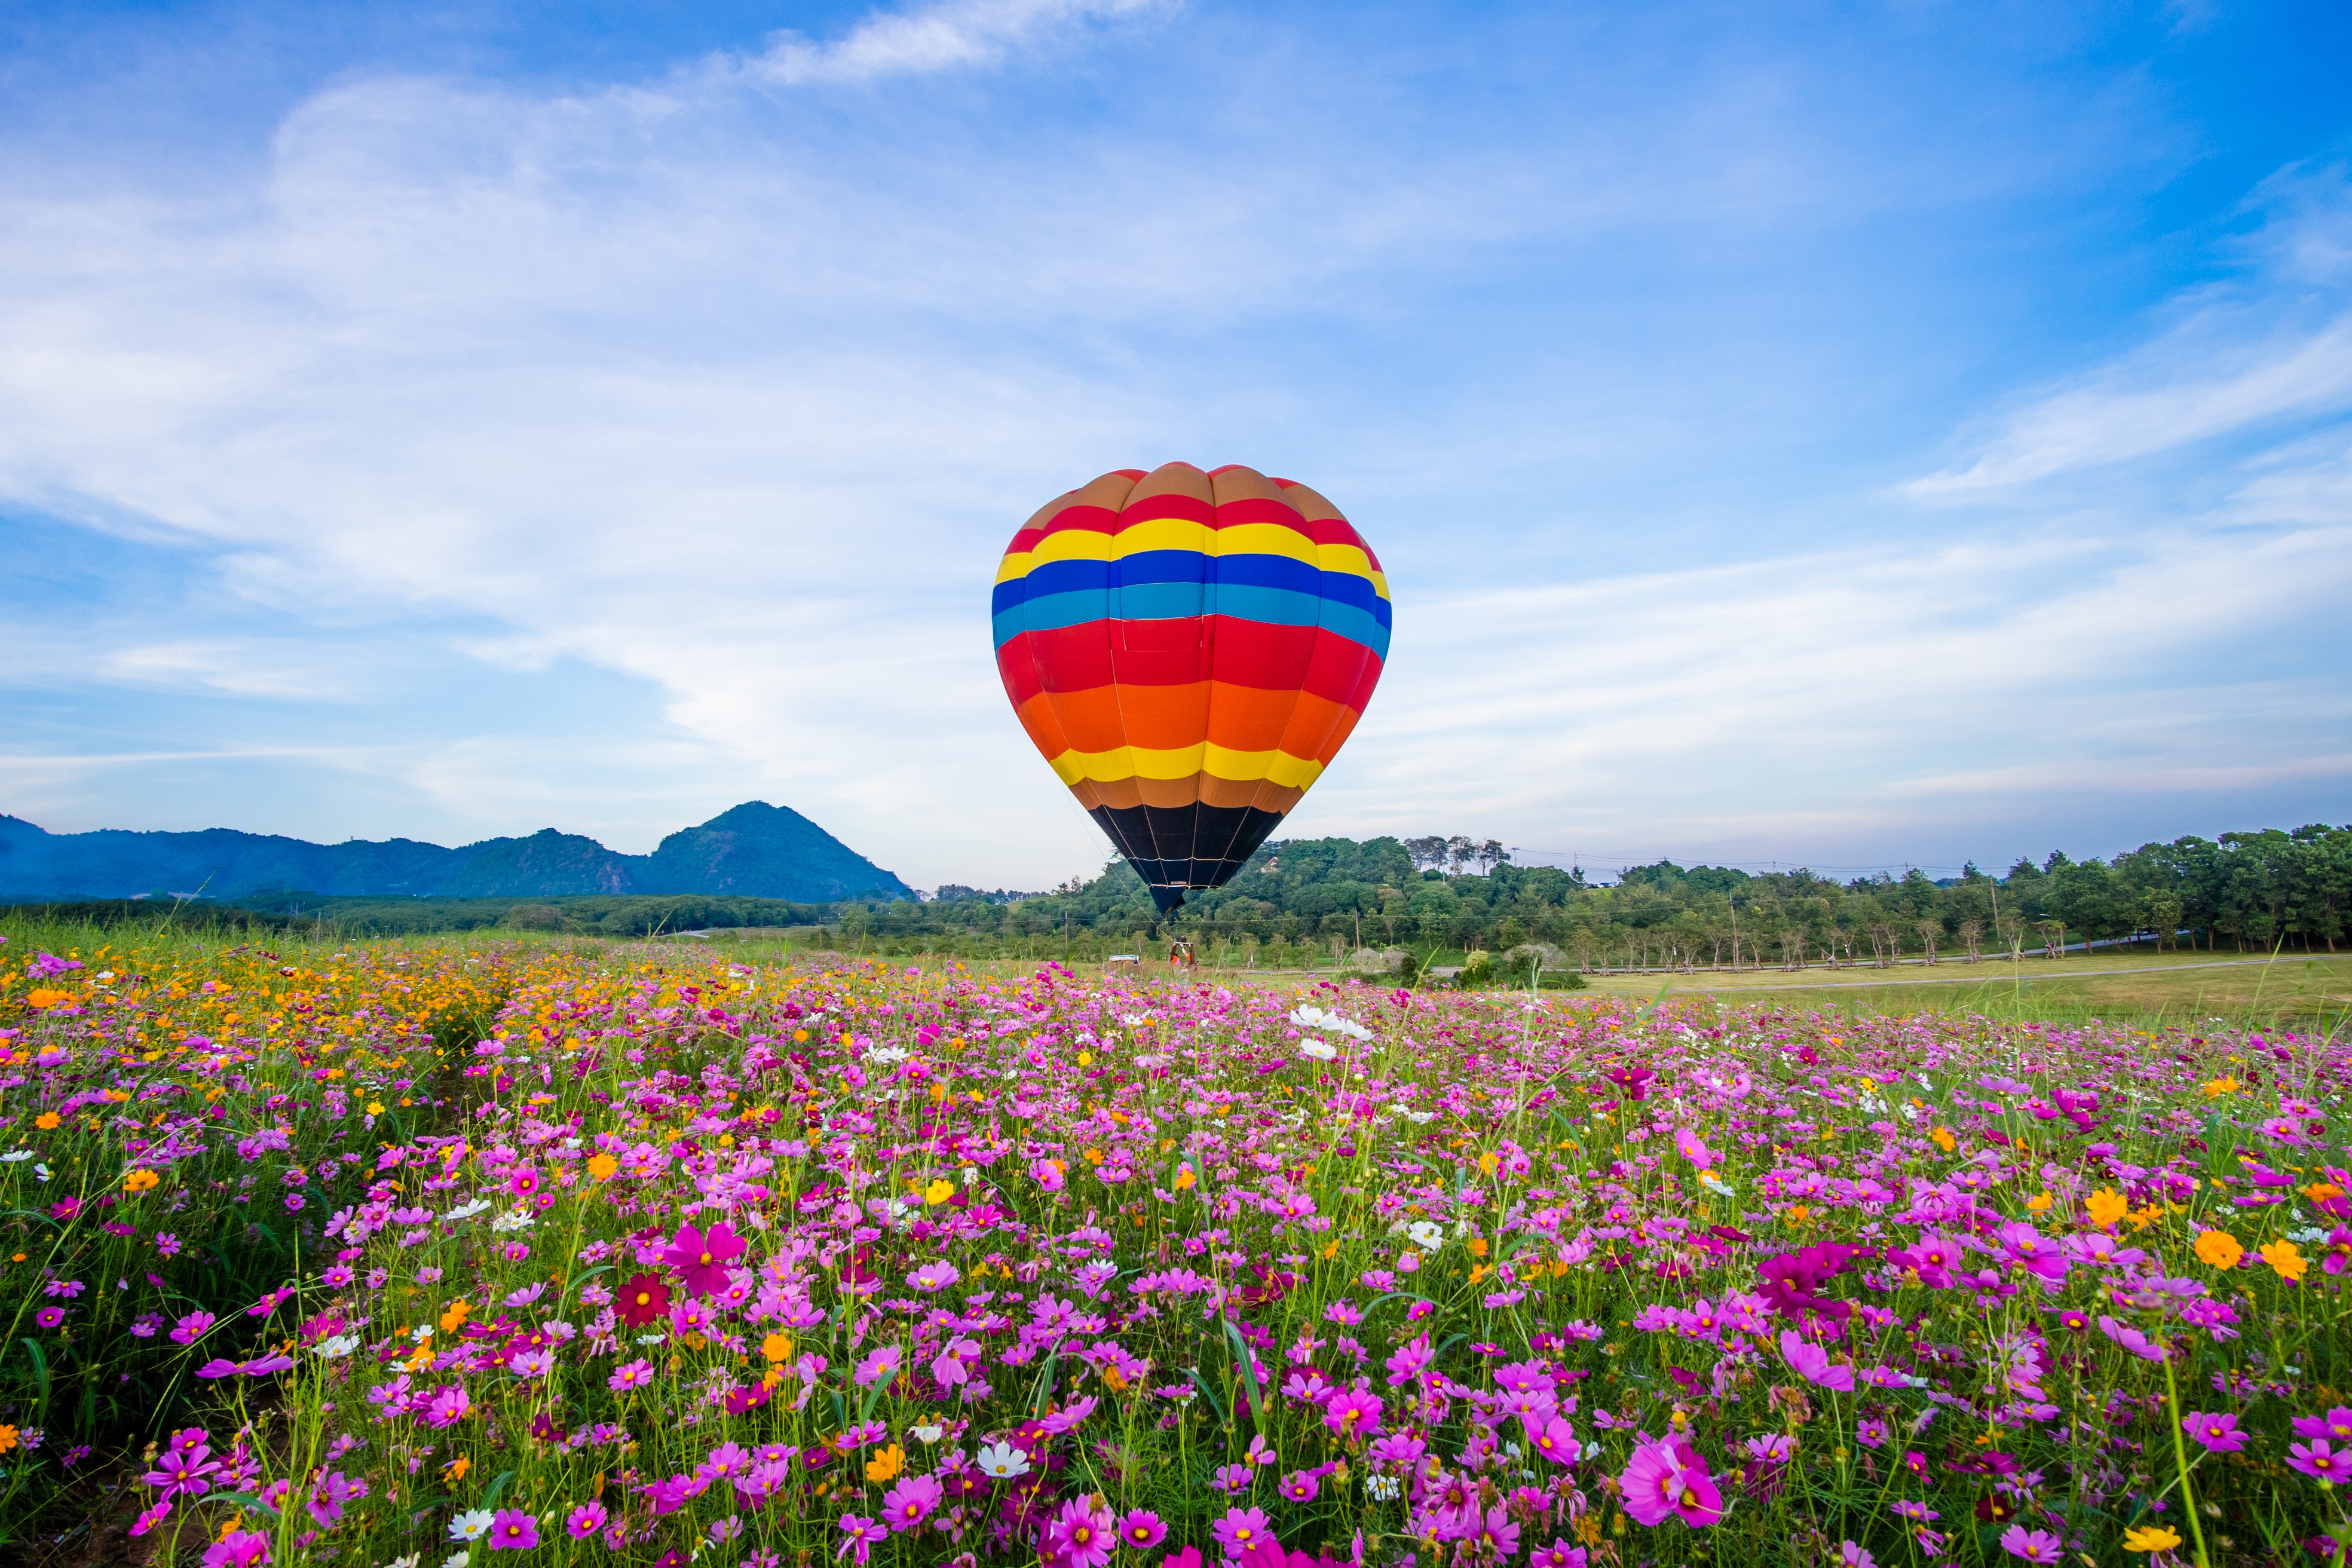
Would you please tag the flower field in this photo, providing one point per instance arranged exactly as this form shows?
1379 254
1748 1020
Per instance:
419 1255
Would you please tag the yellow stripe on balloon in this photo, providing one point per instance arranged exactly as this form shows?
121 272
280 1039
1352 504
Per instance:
1278 767
1179 533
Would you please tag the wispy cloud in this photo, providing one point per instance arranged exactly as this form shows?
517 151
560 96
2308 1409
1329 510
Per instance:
939 37
2271 345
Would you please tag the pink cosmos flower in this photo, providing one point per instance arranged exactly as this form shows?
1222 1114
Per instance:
1079 1537
636 1375
1696 1153
1558 1555
2319 1461
1299 1486
238 1549
1554 1438
1497 1533
699 1259
150 1517
910 1503
1669 1478
585 1521
1811 1363
2337 1424
1141 1530
1354 1414
514 1530
181 1472
2131 1339
859 1535
1241 1528
2219 1434
447 1406
2034 1545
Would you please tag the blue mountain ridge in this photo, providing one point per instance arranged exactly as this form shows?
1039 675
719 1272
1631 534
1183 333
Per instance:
754 850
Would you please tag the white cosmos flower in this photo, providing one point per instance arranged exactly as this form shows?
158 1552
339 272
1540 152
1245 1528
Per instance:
455 1559
1002 1460
930 1432
471 1525
339 1346
1320 1050
1425 1235
1317 1018
467 1211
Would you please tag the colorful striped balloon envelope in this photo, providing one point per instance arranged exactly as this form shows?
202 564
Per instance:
1189 651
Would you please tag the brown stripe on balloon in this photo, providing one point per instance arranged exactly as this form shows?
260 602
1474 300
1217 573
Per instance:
1263 794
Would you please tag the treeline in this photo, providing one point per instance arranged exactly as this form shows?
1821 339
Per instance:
1307 900
595 914
1324 901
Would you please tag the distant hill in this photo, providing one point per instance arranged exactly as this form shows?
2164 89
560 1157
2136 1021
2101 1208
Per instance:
755 850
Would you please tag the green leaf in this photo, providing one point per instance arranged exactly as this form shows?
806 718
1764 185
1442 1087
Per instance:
1215 1408
40 1372
1248 1367
580 1280
1044 1385
490 1498
244 1500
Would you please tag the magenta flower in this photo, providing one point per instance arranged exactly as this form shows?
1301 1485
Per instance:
181 1472
2131 1339
1558 1555
2336 1424
1299 1486
1354 1414
859 1535
2319 1461
636 1375
1241 1528
447 1406
2033 1545
1554 1438
2219 1434
910 1503
514 1530
1142 1530
1079 1537
1811 1363
585 1521
1669 1478
238 1549
189 1327
1496 1531
49 1317
699 1259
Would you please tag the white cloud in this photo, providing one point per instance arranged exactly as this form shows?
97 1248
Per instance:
941 37
2271 345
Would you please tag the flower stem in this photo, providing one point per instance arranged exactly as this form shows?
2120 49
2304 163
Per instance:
2181 1463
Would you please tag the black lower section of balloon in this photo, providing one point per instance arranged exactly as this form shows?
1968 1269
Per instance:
1185 848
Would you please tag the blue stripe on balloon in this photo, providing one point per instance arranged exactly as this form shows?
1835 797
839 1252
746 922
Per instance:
1190 570
1184 601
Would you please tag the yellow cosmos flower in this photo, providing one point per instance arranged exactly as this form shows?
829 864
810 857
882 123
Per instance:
2220 1250
2106 1206
885 1464
2287 1259
141 1180
2151 1538
602 1167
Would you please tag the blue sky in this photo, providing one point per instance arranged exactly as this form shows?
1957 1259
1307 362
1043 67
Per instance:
1849 435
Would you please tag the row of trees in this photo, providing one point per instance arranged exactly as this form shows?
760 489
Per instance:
1328 896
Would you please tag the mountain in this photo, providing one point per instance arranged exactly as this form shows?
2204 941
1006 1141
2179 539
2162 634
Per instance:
754 850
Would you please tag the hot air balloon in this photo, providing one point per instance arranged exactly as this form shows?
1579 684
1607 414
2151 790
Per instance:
1188 651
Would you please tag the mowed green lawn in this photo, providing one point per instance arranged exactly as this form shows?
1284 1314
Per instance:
2291 988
